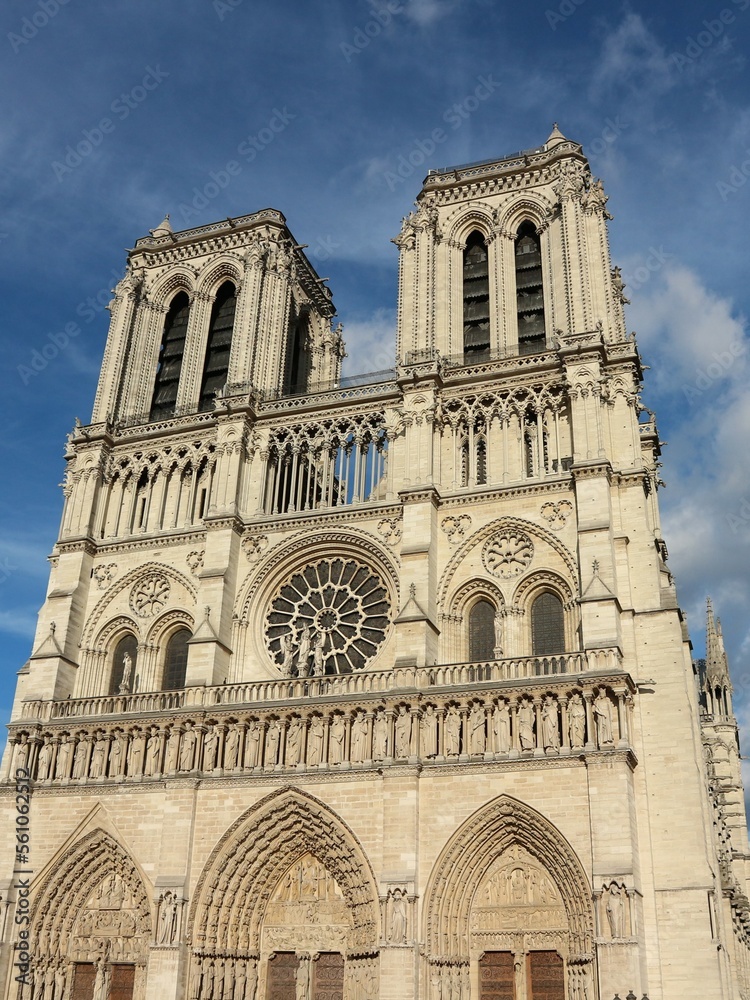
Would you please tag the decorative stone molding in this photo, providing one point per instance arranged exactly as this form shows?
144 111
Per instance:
104 575
507 555
556 513
254 546
194 560
150 595
456 527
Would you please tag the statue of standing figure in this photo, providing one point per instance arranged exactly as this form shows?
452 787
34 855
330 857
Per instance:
498 623
319 667
127 674
576 720
287 654
303 652
603 715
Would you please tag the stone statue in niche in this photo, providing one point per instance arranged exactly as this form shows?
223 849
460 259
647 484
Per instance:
79 760
232 747
615 910
576 720
498 623
336 742
100 982
303 652
603 716
359 738
550 726
272 743
172 756
287 654
380 736
167 931
294 742
452 732
44 762
98 767
210 749
152 752
219 978
127 674
403 732
501 726
477 740
187 748
315 739
526 725
21 753
397 929
252 743
63 756
428 730
302 980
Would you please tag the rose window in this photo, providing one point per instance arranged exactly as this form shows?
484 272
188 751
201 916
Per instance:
340 605
508 555
150 595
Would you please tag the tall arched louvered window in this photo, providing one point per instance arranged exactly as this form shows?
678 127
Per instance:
547 625
127 646
175 660
219 344
482 632
529 291
170 359
476 295
299 358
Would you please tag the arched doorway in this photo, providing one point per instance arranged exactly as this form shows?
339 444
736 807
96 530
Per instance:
287 904
508 911
91 925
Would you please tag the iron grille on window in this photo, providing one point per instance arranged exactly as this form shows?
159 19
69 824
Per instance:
175 662
482 632
476 296
547 625
529 291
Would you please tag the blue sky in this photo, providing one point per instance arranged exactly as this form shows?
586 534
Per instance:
117 113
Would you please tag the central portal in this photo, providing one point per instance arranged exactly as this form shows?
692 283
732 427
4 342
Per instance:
297 977
503 976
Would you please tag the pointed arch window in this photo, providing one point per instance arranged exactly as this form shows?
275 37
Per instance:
482 632
127 646
476 295
169 365
175 660
299 357
219 345
547 625
529 291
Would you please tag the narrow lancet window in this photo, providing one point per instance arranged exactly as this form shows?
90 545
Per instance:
476 296
219 345
169 364
529 291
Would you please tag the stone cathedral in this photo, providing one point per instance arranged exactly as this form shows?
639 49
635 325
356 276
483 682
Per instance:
373 688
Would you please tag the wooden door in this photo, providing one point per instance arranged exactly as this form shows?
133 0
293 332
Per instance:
123 982
546 976
84 977
497 976
281 982
328 977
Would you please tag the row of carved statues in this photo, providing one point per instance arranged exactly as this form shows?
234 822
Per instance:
543 724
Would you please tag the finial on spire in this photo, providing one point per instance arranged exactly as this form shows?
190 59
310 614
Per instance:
555 137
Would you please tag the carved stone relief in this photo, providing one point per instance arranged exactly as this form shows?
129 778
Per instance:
150 595
557 514
104 575
508 555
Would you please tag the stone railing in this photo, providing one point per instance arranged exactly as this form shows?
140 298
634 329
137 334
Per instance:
333 686
551 715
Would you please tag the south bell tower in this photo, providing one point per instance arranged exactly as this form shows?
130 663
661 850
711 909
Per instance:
376 688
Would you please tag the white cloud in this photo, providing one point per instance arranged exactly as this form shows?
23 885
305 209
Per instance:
426 12
632 54
370 342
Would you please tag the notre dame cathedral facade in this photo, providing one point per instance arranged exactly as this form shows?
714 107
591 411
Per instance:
373 688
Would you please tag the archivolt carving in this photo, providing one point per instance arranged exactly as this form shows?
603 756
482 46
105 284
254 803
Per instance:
467 859
122 623
180 280
545 580
255 854
535 210
503 525
477 217
92 906
468 592
225 270
128 581
168 623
